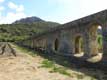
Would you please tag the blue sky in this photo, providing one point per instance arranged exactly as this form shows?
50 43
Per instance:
61 11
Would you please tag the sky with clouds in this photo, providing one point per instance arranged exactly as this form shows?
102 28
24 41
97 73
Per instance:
61 11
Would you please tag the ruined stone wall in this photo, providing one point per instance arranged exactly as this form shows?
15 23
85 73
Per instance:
67 33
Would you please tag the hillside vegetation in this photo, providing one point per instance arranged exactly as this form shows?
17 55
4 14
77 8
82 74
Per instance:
20 31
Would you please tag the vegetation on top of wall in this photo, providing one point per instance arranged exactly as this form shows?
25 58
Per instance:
17 32
100 42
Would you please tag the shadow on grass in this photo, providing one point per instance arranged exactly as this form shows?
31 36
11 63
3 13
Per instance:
71 62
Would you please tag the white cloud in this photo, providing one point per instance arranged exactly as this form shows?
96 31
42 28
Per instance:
1 1
12 16
11 5
60 1
1 8
67 10
18 8
93 6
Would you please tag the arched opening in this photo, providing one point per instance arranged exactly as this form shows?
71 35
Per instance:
56 44
99 39
79 45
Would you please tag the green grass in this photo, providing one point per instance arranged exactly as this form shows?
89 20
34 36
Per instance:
54 68
61 70
47 64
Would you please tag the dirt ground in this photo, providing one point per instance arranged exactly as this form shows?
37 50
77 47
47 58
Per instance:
26 67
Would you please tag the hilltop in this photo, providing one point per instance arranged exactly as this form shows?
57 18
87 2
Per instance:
28 20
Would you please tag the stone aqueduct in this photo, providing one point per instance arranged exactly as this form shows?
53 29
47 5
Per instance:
65 39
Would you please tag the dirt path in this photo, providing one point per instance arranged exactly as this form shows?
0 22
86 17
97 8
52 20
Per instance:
26 67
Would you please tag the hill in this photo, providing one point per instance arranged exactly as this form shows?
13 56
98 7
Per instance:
20 31
28 20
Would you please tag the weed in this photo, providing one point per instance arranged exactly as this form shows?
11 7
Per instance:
47 64
80 76
50 64
61 70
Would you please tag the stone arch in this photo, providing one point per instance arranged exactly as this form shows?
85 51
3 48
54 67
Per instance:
56 44
79 44
95 38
